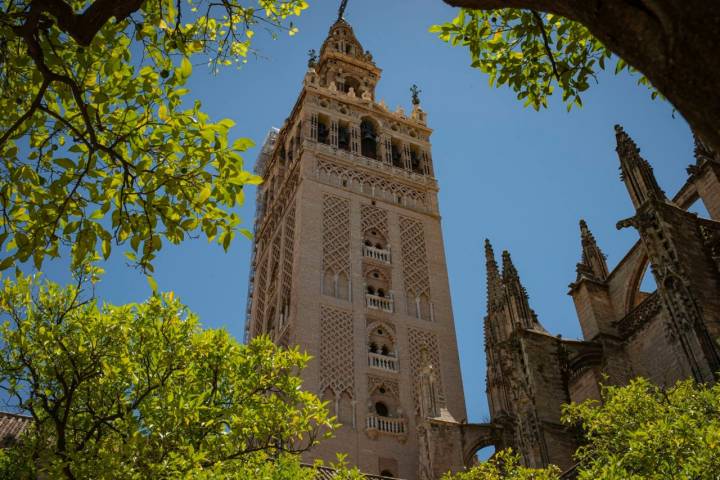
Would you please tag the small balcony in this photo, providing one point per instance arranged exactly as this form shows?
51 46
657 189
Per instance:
393 426
383 362
375 302
379 254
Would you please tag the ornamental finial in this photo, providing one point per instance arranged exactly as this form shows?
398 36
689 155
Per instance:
415 91
341 10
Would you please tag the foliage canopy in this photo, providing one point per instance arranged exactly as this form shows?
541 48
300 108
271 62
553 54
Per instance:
532 52
140 391
100 143
645 431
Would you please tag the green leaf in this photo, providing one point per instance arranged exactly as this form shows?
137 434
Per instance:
65 163
106 248
185 68
242 144
153 284
204 194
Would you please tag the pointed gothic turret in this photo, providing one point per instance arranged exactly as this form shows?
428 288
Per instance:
593 263
516 296
494 282
636 171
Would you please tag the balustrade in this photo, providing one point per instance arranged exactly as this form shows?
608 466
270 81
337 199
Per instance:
378 254
383 362
394 426
375 302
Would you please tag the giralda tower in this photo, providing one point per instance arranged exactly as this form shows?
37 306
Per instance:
349 263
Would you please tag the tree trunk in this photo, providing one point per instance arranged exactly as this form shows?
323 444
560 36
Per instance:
674 43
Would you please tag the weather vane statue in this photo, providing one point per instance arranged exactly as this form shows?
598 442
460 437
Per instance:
415 91
341 10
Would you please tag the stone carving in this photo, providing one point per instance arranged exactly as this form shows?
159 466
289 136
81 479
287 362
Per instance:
288 249
373 185
391 387
336 234
414 257
640 316
260 297
337 368
424 349
372 217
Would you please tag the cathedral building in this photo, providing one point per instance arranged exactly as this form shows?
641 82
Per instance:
348 263
667 335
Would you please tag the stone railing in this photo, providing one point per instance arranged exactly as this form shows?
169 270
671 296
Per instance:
393 426
375 302
639 316
383 362
378 254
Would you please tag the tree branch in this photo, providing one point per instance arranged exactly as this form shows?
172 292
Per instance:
83 27
546 43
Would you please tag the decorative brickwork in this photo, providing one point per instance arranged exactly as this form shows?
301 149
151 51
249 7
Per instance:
375 186
423 348
391 387
260 297
374 218
336 234
414 257
337 368
288 249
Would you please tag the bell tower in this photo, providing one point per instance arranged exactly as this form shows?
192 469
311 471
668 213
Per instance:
349 261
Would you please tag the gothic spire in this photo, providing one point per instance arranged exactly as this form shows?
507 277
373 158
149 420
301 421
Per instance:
593 260
494 282
509 273
517 298
636 171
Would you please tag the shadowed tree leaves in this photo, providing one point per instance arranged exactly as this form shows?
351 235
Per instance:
100 143
667 41
532 53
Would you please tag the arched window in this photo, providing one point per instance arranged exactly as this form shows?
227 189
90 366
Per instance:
373 238
329 283
343 287
368 137
424 307
323 129
381 409
416 163
344 136
370 290
351 82
397 159
381 341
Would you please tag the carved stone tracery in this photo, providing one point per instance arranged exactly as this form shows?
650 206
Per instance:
414 257
336 234
372 185
337 367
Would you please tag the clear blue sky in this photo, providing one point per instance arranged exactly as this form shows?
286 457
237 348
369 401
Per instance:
519 177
